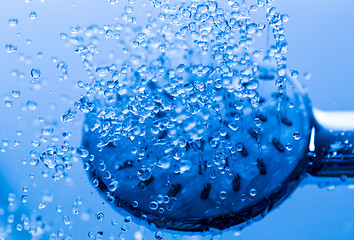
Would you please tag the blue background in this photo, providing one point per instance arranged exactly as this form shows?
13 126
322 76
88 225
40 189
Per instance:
321 41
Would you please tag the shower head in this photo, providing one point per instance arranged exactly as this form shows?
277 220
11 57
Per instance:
215 165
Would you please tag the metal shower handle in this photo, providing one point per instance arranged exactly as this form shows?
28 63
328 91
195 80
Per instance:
331 145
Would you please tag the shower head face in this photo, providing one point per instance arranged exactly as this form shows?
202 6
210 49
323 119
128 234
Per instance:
197 167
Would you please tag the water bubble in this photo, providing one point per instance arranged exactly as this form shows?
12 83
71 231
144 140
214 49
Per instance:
66 220
128 219
10 48
35 73
59 208
99 216
253 192
68 116
144 174
295 74
31 105
284 18
13 22
16 93
19 227
102 71
113 186
251 28
289 147
159 235
33 15
24 198
8 103
223 195
297 135
47 131
124 228
307 76
153 205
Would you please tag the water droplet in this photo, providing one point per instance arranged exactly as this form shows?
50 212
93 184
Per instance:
284 18
13 22
113 186
66 220
253 192
295 74
159 235
47 131
144 174
59 208
10 48
24 198
35 73
31 105
16 93
100 216
289 147
223 195
153 205
33 15
297 135
307 76
8 103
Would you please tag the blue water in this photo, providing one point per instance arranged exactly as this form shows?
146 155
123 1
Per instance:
320 40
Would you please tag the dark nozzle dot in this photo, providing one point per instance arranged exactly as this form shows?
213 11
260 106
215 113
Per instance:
244 151
252 133
161 114
163 134
202 166
143 184
278 145
126 164
236 183
277 95
174 190
286 121
205 192
262 100
261 166
262 117
266 77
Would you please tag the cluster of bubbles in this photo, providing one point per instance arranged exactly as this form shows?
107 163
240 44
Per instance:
168 77
164 79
